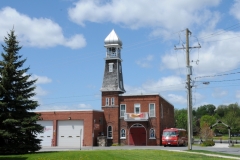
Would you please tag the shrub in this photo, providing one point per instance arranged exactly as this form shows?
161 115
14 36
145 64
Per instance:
208 143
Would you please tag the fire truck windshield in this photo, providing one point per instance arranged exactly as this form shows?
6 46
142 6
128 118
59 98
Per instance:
169 133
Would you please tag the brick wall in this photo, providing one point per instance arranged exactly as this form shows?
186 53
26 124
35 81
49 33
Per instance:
153 122
88 122
158 123
167 116
111 115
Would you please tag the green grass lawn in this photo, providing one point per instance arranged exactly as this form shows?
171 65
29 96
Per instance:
225 137
236 146
108 155
210 152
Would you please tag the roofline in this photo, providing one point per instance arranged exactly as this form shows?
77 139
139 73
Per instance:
119 90
148 94
82 110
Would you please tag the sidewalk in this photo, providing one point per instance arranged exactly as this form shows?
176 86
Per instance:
221 145
211 155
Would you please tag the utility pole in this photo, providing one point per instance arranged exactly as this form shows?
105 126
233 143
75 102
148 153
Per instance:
189 89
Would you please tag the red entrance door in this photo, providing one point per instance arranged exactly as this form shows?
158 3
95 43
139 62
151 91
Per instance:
137 136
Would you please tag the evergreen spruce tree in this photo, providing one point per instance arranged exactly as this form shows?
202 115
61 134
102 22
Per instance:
18 128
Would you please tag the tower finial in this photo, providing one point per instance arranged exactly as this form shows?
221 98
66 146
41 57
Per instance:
112 39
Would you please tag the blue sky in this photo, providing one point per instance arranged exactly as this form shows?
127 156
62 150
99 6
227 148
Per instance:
63 41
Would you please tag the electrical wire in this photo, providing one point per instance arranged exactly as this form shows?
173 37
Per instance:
166 90
217 75
234 26
221 80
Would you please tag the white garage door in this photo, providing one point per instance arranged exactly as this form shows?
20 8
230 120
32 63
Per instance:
69 133
46 136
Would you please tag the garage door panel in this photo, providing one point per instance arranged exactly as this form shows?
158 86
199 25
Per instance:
46 136
69 133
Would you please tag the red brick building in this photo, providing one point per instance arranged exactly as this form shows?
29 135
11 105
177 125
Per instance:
124 119
137 119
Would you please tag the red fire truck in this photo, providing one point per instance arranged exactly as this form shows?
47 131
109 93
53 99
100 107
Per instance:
174 136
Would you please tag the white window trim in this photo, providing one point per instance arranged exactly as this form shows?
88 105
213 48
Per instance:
121 110
107 133
120 68
150 134
137 107
154 110
110 67
112 101
121 134
121 84
107 102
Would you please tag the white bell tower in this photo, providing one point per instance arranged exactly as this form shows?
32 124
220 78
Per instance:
113 78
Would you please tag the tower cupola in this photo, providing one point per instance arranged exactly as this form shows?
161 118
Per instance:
113 45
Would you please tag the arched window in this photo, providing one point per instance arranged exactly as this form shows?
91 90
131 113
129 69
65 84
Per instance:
109 132
123 134
152 133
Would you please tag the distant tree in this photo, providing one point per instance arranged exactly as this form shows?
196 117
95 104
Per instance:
180 118
221 110
18 126
207 120
232 117
206 133
204 110
230 114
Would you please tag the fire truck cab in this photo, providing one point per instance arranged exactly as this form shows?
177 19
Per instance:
174 136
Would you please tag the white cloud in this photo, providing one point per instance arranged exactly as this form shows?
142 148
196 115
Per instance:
196 97
177 99
165 84
238 94
36 32
77 41
84 106
235 9
168 15
218 93
40 92
91 86
217 54
41 79
173 60
145 62
65 107
54 107
171 83
195 106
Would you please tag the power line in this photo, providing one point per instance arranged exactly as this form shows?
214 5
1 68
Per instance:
217 86
221 80
223 39
217 75
166 90
72 96
234 26
69 102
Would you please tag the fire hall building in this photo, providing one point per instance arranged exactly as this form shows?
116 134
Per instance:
123 119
